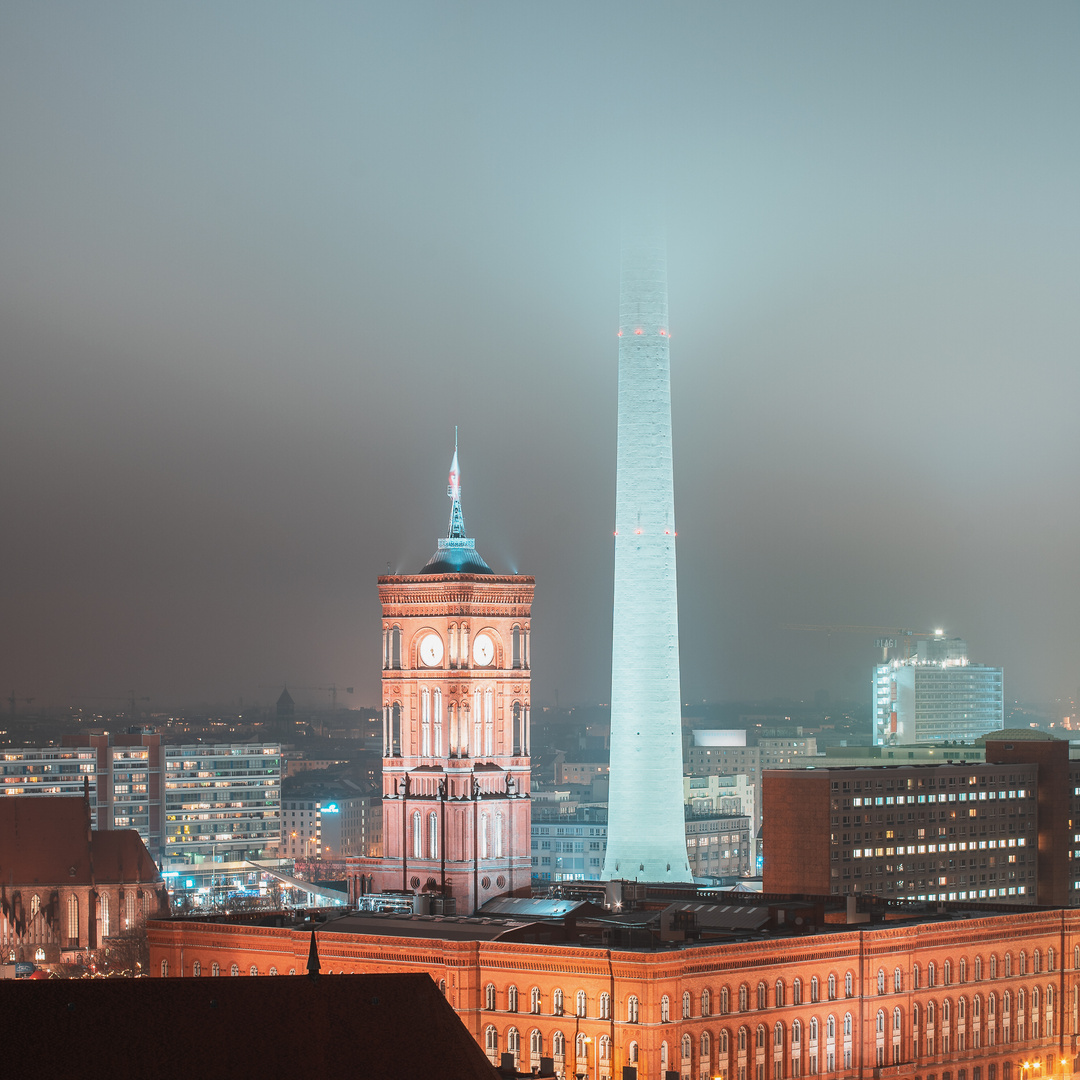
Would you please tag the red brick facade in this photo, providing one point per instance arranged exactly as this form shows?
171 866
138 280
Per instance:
456 734
962 999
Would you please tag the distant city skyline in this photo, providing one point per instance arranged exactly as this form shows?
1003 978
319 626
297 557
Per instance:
256 265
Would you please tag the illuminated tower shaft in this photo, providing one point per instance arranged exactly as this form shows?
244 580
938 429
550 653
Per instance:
646 834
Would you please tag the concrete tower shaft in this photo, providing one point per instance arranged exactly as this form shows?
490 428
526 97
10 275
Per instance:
646 833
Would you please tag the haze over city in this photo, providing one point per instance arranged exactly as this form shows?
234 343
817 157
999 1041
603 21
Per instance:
257 261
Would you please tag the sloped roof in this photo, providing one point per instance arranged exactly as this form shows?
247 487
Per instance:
44 840
294 1026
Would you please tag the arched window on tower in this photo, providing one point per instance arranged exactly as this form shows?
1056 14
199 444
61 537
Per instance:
395 729
478 725
498 838
433 836
437 742
425 722
519 740
489 722
395 648
417 836
484 836
106 927
516 637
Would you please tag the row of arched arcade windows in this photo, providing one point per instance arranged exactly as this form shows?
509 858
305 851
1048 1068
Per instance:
458 646
465 731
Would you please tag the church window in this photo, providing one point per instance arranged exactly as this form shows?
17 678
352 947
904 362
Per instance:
106 926
418 835
73 921
433 836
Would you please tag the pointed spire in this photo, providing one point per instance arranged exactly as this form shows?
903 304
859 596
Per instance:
457 551
313 965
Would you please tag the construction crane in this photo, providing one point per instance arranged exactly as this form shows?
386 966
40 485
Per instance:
890 637
13 701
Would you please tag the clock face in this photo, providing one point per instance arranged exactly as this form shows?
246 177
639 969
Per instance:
431 650
483 650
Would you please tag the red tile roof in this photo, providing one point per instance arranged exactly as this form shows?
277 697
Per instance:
44 841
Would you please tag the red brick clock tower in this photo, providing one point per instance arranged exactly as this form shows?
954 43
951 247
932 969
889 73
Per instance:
455 680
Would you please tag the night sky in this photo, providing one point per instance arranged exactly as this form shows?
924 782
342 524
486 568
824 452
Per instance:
258 259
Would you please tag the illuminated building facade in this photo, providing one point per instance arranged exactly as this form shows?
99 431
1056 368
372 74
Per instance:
972 995
645 827
937 695
456 727
324 820
222 803
993 830
50 770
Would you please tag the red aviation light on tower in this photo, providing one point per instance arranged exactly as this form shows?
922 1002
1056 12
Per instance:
639 331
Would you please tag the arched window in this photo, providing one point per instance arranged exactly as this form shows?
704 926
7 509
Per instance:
687 1047
395 729
511 999
518 733
722 1046
778 1037
513 1041
556 1002
582 1046
665 1010
129 910
273 971
847 1023
762 995
605 1048
881 1020
915 1016
686 1005
897 981
106 928
196 969
1050 959
744 997
978 969
946 1011
946 971
963 969
632 1009
813 1029
485 845
832 987
215 970
849 983
976 1007
234 970
796 1035
814 989
253 970
706 1004
433 836
961 1009
489 722
796 992
705 1048
631 1054
536 1043
993 965
929 1013
395 647
725 1001
417 836
164 969
742 1038
759 1036
778 994
581 1003
915 976
534 999
498 834
931 974
830 1027
437 740
605 1006
881 981
515 636
1021 965
663 1056
489 997
1008 964
896 1021
558 1044
73 922
425 722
